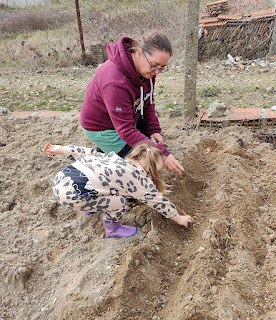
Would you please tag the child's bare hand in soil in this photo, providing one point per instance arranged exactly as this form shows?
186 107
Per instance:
52 150
183 220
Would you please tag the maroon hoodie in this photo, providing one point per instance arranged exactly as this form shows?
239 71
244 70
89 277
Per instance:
113 98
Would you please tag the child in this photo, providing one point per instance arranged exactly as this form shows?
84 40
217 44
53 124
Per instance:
98 182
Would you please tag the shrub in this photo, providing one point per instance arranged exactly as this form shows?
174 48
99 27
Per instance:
209 92
27 21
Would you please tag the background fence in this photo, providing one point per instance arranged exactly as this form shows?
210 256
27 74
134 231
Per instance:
44 33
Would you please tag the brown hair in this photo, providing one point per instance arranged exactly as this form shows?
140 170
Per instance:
151 156
152 41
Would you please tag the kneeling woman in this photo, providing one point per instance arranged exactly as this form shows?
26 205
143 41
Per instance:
98 182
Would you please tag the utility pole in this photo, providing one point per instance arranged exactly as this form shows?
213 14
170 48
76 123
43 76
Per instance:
191 56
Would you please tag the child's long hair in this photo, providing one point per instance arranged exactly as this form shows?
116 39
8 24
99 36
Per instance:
149 155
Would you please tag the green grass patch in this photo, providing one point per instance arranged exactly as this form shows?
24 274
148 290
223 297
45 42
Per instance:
168 106
160 89
209 92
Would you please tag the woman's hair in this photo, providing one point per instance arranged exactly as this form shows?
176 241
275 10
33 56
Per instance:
152 41
149 155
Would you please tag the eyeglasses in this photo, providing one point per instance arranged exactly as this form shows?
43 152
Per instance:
155 68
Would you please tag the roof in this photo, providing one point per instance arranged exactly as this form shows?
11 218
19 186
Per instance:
209 4
209 20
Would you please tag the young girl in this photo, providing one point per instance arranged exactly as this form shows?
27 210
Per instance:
98 182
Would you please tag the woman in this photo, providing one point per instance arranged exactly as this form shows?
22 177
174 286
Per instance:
118 111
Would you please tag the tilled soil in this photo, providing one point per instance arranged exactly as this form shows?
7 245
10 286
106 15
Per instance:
57 264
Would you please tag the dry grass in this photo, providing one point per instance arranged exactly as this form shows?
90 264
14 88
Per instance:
26 21
39 37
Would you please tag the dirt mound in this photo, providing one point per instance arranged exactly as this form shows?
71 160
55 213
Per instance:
57 264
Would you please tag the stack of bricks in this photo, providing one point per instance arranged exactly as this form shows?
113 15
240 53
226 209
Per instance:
213 9
248 36
97 54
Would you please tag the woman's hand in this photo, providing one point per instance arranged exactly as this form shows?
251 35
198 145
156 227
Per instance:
157 137
172 164
183 220
52 150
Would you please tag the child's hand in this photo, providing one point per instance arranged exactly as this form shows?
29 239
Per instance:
52 150
183 220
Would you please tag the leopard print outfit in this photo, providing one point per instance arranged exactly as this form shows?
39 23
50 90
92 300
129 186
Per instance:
98 182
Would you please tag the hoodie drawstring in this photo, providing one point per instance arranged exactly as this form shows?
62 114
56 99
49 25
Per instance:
142 98
151 91
142 101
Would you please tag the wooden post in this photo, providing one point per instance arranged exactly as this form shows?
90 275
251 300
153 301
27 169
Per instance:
191 56
81 32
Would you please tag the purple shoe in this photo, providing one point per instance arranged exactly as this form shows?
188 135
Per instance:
116 230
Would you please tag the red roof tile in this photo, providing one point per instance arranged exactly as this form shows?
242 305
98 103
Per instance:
229 17
264 12
216 2
217 24
242 114
208 20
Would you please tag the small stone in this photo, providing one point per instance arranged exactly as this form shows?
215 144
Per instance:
3 111
241 66
140 220
214 289
217 109
272 237
189 298
200 249
266 239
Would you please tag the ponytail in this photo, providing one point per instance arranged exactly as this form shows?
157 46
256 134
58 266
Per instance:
151 41
149 155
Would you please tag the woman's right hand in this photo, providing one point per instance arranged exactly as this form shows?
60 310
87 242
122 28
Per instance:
172 164
52 150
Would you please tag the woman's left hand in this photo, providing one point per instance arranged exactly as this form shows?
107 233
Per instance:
172 164
157 137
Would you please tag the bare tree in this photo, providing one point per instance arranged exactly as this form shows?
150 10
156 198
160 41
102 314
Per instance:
191 56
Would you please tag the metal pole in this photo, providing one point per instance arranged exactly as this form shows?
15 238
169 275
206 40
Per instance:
81 32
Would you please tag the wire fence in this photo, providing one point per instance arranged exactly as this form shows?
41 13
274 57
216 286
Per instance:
36 34
48 34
